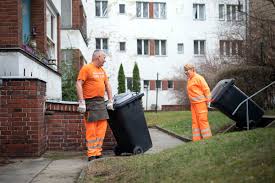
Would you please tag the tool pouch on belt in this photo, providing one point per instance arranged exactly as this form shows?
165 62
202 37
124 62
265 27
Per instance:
96 109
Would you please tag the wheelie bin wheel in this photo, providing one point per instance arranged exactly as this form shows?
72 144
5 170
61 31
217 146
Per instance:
137 150
117 151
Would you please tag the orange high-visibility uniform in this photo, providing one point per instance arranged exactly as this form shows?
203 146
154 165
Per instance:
199 94
94 86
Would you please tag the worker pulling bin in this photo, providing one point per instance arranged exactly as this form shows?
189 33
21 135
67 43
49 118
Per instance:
128 124
226 97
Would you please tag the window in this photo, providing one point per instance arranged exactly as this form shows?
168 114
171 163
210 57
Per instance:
142 9
170 84
151 10
221 11
158 84
51 32
146 84
121 8
129 83
142 47
199 47
159 10
101 8
122 46
199 11
160 47
50 23
157 47
180 48
231 47
101 43
230 12
66 9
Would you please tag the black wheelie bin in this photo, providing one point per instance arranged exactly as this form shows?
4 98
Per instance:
226 97
128 124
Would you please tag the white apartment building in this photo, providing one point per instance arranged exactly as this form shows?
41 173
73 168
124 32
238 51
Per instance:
160 36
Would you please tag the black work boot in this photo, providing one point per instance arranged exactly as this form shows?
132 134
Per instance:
91 158
100 156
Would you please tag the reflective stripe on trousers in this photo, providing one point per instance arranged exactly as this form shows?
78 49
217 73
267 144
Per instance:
95 133
200 125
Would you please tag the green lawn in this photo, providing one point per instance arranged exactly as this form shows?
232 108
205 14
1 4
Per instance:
180 123
246 156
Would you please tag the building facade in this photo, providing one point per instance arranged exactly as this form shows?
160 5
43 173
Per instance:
30 42
161 36
74 38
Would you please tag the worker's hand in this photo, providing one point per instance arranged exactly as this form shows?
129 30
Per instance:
110 105
82 106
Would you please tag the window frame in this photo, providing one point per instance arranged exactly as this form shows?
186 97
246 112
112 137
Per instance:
120 44
199 47
197 11
231 48
142 47
52 36
229 15
170 88
122 5
101 12
129 82
148 84
180 51
160 50
223 11
160 84
142 9
101 43
159 7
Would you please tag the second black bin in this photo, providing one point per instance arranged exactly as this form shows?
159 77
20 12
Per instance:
226 97
128 124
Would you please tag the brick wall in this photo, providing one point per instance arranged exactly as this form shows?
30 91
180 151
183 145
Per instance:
66 130
152 84
22 127
38 21
76 16
164 85
11 23
29 125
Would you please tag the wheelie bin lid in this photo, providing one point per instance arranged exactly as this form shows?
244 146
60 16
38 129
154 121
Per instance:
123 99
221 87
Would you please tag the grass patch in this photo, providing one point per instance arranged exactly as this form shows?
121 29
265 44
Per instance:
235 157
270 112
180 122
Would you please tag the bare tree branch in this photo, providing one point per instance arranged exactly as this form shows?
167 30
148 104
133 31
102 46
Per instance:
272 1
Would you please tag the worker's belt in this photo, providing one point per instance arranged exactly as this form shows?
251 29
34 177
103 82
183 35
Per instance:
96 109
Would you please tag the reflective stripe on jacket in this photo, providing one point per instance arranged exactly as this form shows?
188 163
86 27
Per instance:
198 90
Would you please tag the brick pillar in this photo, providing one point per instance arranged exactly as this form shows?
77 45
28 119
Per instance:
22 127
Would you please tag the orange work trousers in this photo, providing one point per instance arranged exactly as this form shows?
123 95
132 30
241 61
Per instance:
200 125
95 133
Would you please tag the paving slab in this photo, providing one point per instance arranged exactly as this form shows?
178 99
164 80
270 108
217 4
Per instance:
162 141
23 170
67 167
61 171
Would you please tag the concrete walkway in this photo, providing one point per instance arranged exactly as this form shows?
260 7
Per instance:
67 169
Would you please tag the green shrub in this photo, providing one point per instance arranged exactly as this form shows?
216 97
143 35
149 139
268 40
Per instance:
69 75
136 79
121 80
250 79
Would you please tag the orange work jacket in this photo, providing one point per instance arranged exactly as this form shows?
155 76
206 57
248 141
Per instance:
198 90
